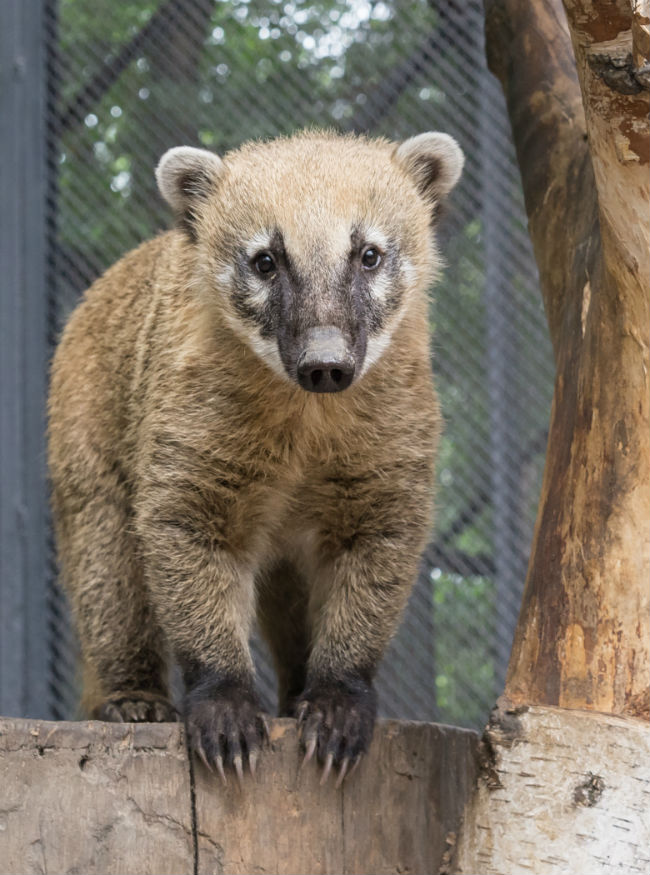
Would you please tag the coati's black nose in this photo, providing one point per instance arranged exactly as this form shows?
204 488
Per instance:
325 365
325 376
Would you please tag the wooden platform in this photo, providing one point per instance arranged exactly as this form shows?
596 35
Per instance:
121 798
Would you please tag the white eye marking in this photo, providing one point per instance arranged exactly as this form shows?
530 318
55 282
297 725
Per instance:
258 293
379 283
380 286
408 271
265 348
258 290
375 238
225 276
257 243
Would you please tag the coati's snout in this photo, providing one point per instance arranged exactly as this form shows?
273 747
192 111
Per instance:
325 364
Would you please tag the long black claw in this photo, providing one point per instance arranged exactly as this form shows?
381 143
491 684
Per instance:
309 751
265 728
355 763
336 724
198 747
226 729
342 771
301 713
327 768
218 761
239 769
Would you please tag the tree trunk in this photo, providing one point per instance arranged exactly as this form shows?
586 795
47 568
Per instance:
583 633
582 639
560 791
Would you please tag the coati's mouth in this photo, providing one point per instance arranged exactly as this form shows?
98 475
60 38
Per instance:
325 362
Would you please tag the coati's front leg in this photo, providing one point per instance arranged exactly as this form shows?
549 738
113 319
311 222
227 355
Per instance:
125 673
204 603
358 596
204 599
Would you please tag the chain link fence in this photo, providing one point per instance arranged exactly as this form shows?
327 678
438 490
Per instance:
127 79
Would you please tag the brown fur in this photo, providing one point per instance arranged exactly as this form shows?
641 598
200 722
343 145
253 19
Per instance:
192 483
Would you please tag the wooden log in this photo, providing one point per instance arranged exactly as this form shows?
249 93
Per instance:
94 797
565 790
392 815
583 632
121 798
559 792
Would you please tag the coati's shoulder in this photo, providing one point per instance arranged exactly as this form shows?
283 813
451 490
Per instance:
110 313
140 268
98 347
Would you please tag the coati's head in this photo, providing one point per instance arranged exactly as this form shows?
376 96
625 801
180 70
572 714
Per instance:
313 247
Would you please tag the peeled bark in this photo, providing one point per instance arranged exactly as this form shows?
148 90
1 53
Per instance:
582 638
564 789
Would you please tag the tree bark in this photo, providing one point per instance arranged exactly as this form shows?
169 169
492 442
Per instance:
578 102
582 638
561 793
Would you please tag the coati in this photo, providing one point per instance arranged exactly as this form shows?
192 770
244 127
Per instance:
242 420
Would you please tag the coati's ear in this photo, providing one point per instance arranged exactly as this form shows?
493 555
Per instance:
185 176
434 161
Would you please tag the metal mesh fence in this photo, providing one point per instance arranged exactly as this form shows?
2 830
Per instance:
128 79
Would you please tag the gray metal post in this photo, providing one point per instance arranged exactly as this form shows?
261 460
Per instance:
501 363
23 361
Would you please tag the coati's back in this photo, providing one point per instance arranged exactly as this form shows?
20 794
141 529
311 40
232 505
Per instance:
242 417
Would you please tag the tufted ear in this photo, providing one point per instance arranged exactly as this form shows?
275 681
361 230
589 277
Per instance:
186 176
434 161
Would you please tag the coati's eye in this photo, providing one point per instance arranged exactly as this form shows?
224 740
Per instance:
264 264
370 258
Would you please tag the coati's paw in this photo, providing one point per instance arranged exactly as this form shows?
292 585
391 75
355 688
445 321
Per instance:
227 729
136 706
336 721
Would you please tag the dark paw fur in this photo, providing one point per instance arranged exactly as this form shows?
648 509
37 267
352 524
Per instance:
226 728
136 706
336 721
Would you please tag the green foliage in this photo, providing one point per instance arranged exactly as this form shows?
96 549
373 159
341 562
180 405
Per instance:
464 658
264 69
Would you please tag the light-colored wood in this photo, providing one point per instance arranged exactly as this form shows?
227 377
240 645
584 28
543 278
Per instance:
392 816
561 793
641 35
94 798
562 790
105 798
